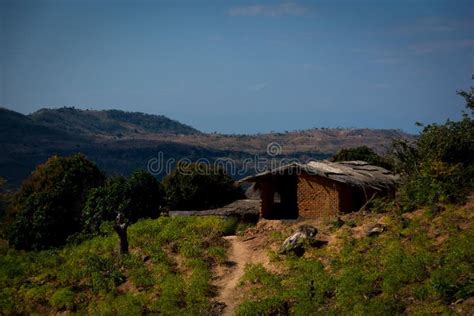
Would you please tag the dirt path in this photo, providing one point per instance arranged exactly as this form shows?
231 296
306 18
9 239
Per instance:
241 252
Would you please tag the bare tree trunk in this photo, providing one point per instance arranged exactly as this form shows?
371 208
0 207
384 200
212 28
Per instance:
120 227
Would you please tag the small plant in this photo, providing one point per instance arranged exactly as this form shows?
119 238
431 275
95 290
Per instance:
381 205
351 223
63 299
103 273
217 253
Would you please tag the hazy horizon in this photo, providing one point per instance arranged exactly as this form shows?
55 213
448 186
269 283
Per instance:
242 67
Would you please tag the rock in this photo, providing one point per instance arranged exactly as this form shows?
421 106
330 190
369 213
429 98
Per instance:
295 243
375 229
309 230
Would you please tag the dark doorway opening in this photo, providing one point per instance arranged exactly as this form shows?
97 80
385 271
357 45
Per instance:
279 198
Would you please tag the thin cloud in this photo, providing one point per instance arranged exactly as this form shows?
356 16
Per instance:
276 10
428 25
435 25
381 85
259 86
389 60
430 47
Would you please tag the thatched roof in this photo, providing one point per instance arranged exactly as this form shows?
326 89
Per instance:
356 173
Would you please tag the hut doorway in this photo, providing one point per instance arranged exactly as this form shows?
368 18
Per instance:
279 199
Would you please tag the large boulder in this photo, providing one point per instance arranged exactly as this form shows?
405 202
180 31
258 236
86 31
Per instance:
295 243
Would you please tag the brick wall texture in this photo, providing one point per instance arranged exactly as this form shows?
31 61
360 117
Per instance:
318 196
315 197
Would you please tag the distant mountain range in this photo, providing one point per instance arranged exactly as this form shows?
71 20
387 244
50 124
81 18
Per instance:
120 142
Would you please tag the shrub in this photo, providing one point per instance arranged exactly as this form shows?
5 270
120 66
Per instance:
198 186
439 166
49 203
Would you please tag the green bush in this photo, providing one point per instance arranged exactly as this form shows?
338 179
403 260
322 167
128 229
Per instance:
49 203
439 166
198 186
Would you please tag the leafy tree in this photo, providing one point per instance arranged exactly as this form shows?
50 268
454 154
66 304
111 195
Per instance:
198 187
49 204
2 205
469 97
103 204
362 153
439 166
144 195
138 197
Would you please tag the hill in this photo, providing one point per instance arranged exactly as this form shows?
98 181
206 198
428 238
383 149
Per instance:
120 142
421 264
109 122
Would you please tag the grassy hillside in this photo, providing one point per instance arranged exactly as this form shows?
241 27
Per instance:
168 272
423 264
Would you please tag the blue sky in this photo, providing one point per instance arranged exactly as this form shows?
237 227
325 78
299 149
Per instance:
240 66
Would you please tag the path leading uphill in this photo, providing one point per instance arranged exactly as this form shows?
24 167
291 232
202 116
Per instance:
241 252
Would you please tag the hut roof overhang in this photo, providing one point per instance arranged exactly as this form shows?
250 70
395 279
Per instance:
354 173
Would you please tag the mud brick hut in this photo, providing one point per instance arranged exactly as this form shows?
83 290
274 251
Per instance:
320 188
